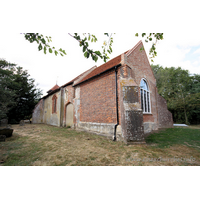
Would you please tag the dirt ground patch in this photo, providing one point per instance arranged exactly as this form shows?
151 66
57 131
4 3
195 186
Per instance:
43 145
194 126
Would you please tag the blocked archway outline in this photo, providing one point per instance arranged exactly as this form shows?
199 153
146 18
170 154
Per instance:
69 114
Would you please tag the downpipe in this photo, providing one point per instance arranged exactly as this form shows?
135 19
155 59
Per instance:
117 109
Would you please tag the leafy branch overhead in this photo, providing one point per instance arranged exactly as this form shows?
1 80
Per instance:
85 41
43 42
150 37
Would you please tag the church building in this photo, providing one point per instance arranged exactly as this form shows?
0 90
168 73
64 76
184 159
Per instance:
118 99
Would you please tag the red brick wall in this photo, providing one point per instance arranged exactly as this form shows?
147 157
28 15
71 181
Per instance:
148 118
98 99
140 65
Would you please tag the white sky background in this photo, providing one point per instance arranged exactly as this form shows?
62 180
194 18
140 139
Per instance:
175 50
178 21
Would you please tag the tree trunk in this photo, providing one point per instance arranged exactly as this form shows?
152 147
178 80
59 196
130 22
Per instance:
186 119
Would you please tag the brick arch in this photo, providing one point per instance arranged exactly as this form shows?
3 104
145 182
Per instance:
54 104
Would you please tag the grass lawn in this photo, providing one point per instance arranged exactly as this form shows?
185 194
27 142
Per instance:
43 145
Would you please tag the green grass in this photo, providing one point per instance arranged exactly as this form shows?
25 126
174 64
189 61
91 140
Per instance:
55 146
173 136
18 153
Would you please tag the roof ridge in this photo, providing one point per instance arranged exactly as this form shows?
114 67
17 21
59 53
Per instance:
131 50
55 87
72 81
102 68
83 75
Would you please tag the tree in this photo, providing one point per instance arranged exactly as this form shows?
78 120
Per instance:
85 40
181 90
27 96
19 94
195 99
7 95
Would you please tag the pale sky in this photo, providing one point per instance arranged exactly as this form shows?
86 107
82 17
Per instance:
175 50
178 21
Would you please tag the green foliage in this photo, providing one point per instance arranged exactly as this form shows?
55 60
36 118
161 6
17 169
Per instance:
84 41
6 94
182 92
43 42
95 55
18 92
156 36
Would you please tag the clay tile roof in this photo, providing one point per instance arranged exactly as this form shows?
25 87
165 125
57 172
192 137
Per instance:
115 61
72 81
55 87
102 68
95 71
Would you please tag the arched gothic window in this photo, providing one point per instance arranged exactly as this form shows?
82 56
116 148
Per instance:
145 97
54 104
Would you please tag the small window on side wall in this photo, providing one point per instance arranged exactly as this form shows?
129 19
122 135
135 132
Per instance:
54 104
145 97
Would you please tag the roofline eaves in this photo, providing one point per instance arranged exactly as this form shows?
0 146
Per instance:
98 74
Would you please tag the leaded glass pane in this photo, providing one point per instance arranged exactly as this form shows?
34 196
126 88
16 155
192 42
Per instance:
145 101
148 101
141 92
142 84
145 96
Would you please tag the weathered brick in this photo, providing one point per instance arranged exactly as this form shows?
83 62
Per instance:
93 96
